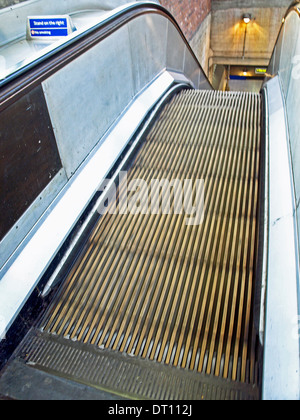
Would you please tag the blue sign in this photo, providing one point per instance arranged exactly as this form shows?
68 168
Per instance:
48 27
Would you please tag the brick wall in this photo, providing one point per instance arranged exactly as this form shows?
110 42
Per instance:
189 14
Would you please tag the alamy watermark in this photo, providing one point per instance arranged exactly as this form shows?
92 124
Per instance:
155 196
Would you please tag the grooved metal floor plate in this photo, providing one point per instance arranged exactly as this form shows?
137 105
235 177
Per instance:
112 373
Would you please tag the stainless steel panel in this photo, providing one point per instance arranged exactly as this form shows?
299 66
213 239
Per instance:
281 347
148 45
175 50
98 86
278 52
288 45
293 107
282 333
191 68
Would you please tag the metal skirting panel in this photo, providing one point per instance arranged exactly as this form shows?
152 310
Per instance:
152 287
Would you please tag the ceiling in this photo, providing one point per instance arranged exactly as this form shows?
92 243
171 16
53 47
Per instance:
232 43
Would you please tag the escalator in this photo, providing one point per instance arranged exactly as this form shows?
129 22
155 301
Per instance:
155 288
162 298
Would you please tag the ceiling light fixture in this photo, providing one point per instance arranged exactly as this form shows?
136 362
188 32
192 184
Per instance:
247 18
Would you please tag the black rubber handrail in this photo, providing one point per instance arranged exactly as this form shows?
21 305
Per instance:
35 72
